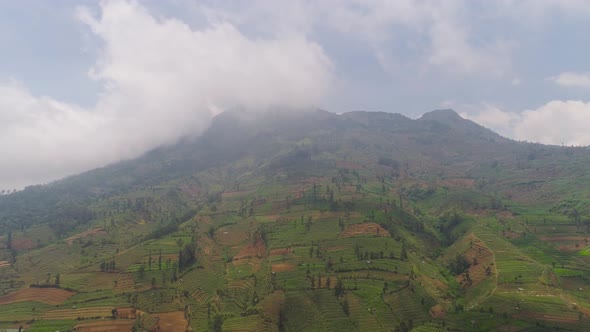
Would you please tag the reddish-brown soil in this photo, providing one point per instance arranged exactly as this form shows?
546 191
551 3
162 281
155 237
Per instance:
192 191
272 304
126 313
437 311
51 296
23 244
171 321
282 267
511 235
256 249
117 325
365 228
125 283
567 243
480 257
280 251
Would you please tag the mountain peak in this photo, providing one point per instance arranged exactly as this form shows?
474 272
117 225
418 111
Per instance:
442 115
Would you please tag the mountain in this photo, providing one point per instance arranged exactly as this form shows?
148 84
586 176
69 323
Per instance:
308 221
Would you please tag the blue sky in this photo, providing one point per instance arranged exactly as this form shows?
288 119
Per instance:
86 83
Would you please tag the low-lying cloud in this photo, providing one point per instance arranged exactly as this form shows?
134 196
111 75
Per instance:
162 80
557 122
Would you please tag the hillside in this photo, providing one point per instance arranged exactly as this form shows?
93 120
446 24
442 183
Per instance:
308 221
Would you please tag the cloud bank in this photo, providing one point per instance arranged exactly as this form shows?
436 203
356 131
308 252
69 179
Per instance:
572 79
556 122
161 80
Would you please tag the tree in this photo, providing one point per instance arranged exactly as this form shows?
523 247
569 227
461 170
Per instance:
346 308
160 260
150 260
141 271
339 289
403 254
217 323
57 280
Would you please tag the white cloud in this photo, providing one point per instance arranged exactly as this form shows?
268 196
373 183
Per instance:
447 41
441 31
571 79
162 80
557 122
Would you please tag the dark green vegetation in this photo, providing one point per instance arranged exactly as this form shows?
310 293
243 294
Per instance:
308 222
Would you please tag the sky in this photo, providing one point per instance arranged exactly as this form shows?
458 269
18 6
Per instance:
88 83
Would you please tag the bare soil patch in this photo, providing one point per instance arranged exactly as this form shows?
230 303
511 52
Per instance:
437 311
480 258
125 282
459 183
282 267
567 243
117 325
256 249
23 244
4 264
171 321
365 228
193 191
272 304
51 296
511 235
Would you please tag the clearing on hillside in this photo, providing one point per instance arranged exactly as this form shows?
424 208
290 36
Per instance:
88 233
23 244
256 249
51 296
368 228
282 267
171 321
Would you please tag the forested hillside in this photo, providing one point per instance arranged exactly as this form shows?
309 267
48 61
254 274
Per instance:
308 221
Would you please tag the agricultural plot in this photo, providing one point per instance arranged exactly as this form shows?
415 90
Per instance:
43 295
105 326
78 313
